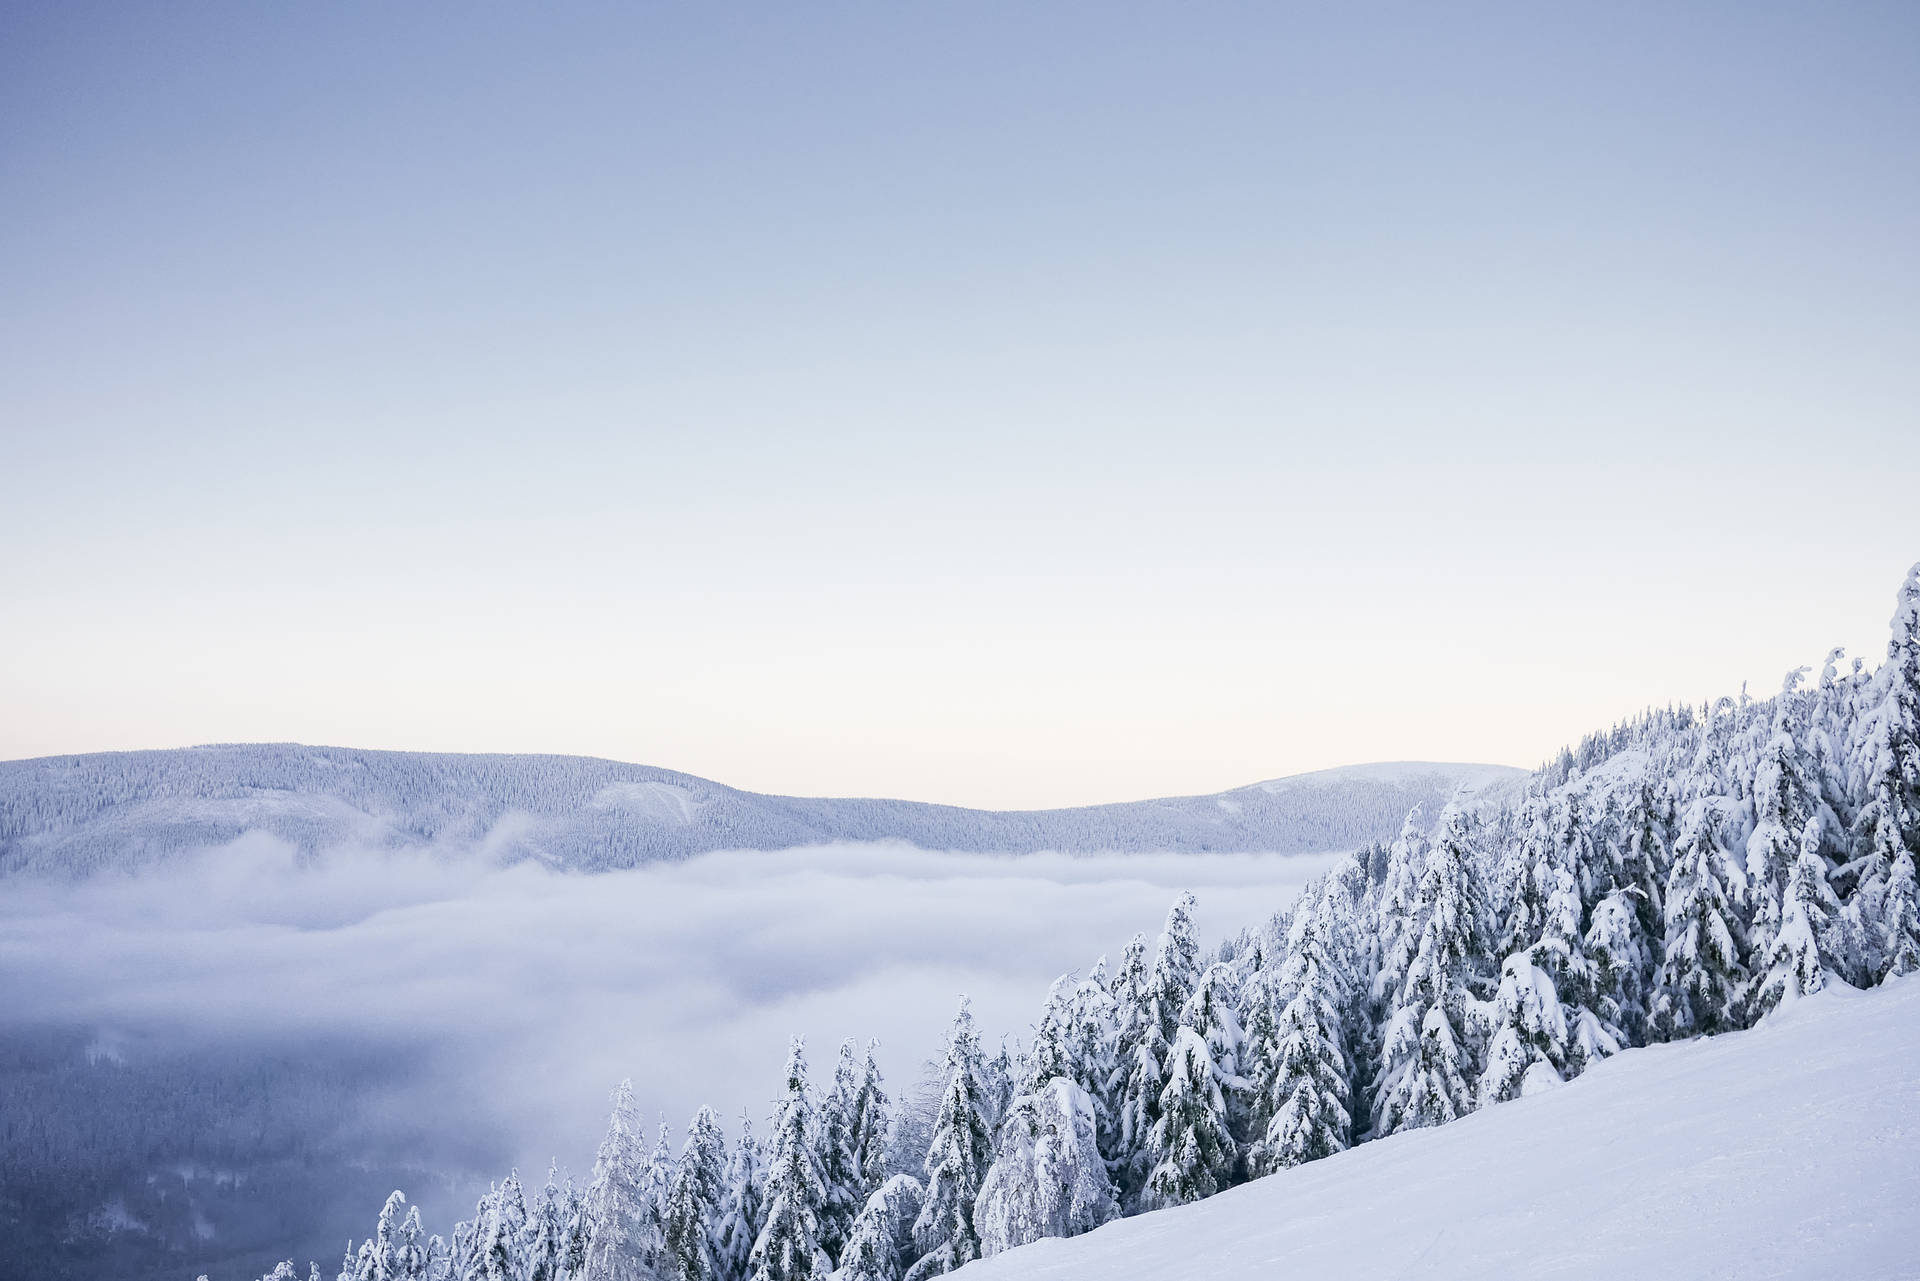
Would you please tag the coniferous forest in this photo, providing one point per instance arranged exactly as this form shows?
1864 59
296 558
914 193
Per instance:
1682 874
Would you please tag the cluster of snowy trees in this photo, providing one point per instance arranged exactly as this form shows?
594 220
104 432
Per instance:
1682 874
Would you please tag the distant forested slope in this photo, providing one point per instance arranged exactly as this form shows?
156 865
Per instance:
125 809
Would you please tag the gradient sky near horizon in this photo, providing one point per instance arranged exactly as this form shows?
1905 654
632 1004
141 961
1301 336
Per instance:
998 404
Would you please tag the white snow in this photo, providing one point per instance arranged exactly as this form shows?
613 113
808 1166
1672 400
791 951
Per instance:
1787 1151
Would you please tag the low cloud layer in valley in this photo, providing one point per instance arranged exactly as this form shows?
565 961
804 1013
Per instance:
502 1003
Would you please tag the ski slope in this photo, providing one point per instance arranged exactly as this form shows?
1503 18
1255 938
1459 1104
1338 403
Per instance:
1792 1150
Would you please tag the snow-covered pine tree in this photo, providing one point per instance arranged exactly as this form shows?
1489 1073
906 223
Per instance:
1261 1059
1529 1046
1625 926
693 1206
1900 921
1150 1005
464 1258
1093 1033
655 1183
1176 968
839 1163
1800 961
869 1113
1190 1144
1783 801
1561 955
1211 1013
1525 919
957 1161
1303 1107
743 1212
545 1250
503 1248
1000 1078
880 1246
1129 984
1047 1178
411 1253
1702 982
788 1248
579 1238
1051 1056
1394 905
379 1258
1428 1055
614 1198
1886 760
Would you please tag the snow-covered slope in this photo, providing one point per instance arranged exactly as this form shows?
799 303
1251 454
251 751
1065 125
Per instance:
78 813
1792 1150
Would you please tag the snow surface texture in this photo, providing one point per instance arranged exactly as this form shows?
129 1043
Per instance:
1792 1150
125 809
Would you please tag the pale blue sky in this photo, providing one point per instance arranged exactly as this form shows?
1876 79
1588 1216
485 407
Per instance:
997 404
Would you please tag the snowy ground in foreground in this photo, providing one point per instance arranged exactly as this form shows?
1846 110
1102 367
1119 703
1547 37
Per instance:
1789 1151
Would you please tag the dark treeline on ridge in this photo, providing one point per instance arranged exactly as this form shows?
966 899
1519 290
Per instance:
1684 873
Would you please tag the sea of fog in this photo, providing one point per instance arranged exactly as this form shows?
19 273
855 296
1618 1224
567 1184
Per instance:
501 1004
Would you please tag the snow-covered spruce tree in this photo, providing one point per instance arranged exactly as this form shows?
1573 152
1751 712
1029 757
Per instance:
1799 961
1211 1013
1702 982
1149 1022
743 1210
545 1250
614 1198
869 1125
957 1161
413 1249
1093 1033
1176 968
1529 1046
1302 1095
1626 923
1561 953
579 1235
503 1251
1525 919
464 1253
694 1203
839 1163
1191 1146
1047 1178
1261 1060
1900 921
1783 802
1051 1057
788 1248
1000 1078
1394 905
880 1246
1886 758
655 1183
1428 1056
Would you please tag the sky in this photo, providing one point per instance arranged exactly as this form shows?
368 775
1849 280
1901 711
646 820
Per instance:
994 404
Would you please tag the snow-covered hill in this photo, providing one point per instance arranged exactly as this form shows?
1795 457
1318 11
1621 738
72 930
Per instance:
1792 1150
115 809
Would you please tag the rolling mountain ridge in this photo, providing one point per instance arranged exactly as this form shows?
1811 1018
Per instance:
76 814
